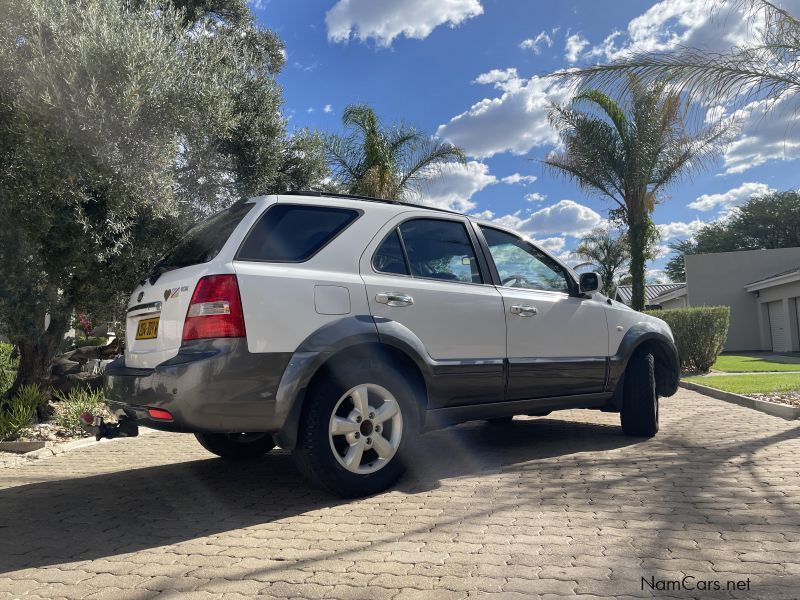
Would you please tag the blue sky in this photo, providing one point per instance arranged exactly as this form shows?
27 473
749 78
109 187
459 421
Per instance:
468 71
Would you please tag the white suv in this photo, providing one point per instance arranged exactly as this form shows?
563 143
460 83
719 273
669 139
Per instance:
339 328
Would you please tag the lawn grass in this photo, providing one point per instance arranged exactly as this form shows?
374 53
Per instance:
751 384
737 363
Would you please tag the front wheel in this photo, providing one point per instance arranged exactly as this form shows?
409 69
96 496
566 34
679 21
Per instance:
236 446
356 425
639 414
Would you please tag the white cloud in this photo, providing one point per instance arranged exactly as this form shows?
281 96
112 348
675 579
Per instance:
310 110
552 244
514 122
769 131
456 184
574 46
679 229
535 197
535 44
486 215
328 109
706 24
566 217
503 79
384 21
517 178
733 197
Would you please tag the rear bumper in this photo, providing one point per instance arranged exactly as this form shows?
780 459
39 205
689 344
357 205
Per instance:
213 385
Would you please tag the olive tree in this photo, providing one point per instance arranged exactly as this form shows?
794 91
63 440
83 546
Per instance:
120 123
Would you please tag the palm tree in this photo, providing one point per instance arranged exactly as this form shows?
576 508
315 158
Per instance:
628 153
606 254
766 67
390 163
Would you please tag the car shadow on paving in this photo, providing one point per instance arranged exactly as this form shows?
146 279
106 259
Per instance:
124 511
710 498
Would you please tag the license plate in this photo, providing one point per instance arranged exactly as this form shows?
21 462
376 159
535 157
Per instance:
147 329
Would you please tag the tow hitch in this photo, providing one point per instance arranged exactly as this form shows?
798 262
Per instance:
96 426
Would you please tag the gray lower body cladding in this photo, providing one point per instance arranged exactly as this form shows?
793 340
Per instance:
213 385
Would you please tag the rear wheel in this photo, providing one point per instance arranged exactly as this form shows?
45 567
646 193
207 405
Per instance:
639 414
356 425
236 446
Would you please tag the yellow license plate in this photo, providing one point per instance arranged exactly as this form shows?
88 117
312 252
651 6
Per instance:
147 329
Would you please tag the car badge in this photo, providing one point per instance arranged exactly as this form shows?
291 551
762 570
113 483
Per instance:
166 295
140 296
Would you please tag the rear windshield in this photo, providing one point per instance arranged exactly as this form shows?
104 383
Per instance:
204 241
294 233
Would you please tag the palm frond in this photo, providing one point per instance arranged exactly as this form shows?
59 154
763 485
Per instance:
769 67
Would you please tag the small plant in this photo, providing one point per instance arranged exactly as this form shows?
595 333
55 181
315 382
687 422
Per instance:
70 406
8 366
699 334
91 341
17 412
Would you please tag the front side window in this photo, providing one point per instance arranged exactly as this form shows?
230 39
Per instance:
440 249
293 232
521 265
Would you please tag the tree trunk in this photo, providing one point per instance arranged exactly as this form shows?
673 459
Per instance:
637 231
36 356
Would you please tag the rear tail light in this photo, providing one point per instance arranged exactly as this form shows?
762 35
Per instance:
159 414
215 310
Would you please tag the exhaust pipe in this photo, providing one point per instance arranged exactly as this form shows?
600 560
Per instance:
96 426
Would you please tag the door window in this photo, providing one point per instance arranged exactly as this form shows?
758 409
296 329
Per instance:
440 249
389 258
521 265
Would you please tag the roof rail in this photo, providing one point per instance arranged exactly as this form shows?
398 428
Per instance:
320 193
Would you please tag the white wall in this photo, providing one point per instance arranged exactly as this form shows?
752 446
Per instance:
719 279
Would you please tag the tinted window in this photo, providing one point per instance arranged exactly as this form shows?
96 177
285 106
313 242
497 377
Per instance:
522 265
204 241
440 249
389 257
294 233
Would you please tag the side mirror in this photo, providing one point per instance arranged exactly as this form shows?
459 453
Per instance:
590 282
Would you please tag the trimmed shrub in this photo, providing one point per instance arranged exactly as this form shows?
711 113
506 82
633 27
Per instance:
699 333
17 412
70 406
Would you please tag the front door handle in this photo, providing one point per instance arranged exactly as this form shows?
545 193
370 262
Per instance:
523 310
394 299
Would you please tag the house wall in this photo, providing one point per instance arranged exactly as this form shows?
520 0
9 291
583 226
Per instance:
718 280
679 302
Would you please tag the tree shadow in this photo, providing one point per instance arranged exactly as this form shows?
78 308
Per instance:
86 518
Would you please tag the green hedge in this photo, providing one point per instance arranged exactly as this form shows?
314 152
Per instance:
699 333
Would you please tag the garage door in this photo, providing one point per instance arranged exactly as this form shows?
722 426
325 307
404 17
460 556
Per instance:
777 327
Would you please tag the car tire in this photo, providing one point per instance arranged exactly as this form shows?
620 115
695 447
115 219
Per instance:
639 414
500 420
337 445
236 446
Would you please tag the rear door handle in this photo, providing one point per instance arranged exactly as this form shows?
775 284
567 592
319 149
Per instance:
523 310
394 299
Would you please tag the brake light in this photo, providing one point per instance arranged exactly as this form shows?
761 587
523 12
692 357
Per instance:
215 310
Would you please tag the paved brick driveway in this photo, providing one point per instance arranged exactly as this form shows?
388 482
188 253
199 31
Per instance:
539 507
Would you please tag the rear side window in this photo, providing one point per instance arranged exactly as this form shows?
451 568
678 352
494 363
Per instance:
439 249
204 241
294 233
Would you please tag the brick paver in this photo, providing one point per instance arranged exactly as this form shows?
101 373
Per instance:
549 507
